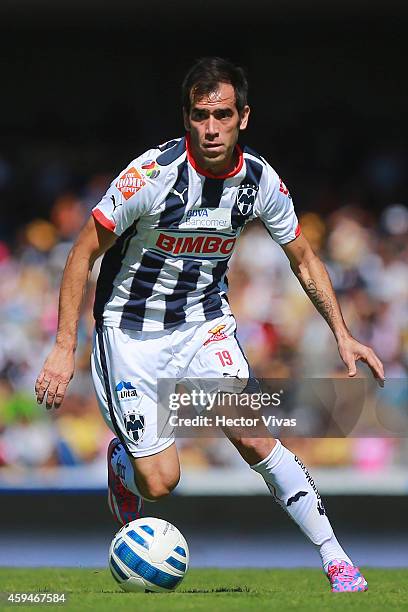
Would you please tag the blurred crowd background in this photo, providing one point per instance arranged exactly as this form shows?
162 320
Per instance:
333 128
283 336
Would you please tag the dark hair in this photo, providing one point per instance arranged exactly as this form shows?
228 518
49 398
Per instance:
205 75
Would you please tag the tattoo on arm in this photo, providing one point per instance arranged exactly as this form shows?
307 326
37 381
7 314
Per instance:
321 301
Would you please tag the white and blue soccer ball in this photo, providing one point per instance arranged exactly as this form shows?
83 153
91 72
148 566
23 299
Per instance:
148 554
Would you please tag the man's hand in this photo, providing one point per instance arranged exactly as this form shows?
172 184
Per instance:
54 377
313 277
351 351
58 369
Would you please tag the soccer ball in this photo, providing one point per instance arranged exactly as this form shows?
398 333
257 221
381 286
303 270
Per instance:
148 554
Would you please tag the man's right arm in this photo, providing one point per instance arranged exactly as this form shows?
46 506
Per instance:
58 368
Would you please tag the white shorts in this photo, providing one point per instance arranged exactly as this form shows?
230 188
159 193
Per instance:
126 365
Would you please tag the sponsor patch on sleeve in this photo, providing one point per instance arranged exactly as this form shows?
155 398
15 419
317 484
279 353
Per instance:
283 189
151 168
130 182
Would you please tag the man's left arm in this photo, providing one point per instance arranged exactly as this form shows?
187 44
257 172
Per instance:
313 276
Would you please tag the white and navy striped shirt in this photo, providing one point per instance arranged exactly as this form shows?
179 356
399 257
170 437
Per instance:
177 227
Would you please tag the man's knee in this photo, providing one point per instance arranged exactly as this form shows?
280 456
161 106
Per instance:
156 486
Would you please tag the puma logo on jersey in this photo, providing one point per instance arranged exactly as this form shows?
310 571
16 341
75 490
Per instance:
180 194
115 206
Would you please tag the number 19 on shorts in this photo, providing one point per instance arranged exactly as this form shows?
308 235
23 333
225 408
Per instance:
224 357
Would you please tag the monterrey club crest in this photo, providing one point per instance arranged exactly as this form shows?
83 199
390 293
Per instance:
135 424
246 196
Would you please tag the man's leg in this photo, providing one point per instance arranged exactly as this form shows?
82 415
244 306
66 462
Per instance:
294 489
286 477
130 479
141 463
220 357
149 477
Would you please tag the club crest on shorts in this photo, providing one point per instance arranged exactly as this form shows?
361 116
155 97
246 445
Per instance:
134 424
246 196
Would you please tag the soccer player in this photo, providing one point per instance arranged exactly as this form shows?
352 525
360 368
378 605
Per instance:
167 227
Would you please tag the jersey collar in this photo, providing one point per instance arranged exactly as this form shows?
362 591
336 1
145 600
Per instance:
197 168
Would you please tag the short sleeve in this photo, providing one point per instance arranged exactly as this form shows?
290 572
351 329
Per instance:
275 209
130 195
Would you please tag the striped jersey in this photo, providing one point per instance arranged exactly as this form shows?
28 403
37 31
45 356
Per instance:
177 227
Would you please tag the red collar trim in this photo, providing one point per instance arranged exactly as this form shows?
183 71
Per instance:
200 170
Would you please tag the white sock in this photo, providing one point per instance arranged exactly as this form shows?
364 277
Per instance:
294 489
330 550
123 468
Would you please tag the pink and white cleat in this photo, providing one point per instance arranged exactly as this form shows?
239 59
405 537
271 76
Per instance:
345 578
124 505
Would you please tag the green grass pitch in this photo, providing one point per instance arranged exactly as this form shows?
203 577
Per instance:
208 589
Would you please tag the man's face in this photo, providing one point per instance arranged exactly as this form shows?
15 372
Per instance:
214 125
